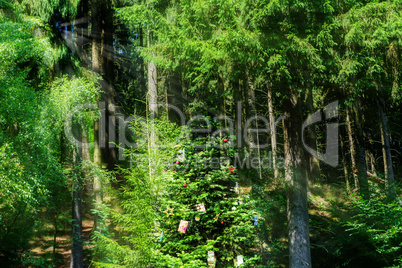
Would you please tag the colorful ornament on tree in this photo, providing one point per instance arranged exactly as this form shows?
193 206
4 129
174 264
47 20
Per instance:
225 140
201 208
185 185
182 155
239 260
178 162
183 226
231 170
211 259
255 220
197 218
168 212
237 188
161 237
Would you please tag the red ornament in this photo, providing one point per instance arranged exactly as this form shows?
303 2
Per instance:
225 140
221 222
178 162
231 170
185 185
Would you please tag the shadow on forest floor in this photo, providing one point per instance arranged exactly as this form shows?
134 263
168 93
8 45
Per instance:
41 252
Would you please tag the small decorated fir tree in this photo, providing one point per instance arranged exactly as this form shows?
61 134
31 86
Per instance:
202 220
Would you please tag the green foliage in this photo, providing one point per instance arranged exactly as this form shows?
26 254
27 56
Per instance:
47 9
32 123
378 223
26 167
134 214
347 231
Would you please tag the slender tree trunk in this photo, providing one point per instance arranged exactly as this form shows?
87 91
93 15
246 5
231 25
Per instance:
96 37
314 163
175 97
82 30
152 89
372 163
107 70
56 215
253 112
352 149
239 115
344 164
295 176
361 164
97 184
77 255
153 107
77 251
85 145
386 151
143 90
272 127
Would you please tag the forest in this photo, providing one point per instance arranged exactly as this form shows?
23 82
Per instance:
200 133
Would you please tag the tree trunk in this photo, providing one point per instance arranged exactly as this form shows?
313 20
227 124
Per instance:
97 184
344 164
95 33
352 148
77 250
107 70
152 106
175 98
386 151
153 111
238 115
272 127
295 176
152 90
77 258
361 165
314 164
82 30
253 113
139 105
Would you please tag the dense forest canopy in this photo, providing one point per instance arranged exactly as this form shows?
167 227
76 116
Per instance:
195 133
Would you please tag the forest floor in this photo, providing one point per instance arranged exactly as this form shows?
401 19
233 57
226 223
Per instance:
326 208
42 245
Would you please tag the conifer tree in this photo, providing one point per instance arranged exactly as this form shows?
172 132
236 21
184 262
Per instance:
203 220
